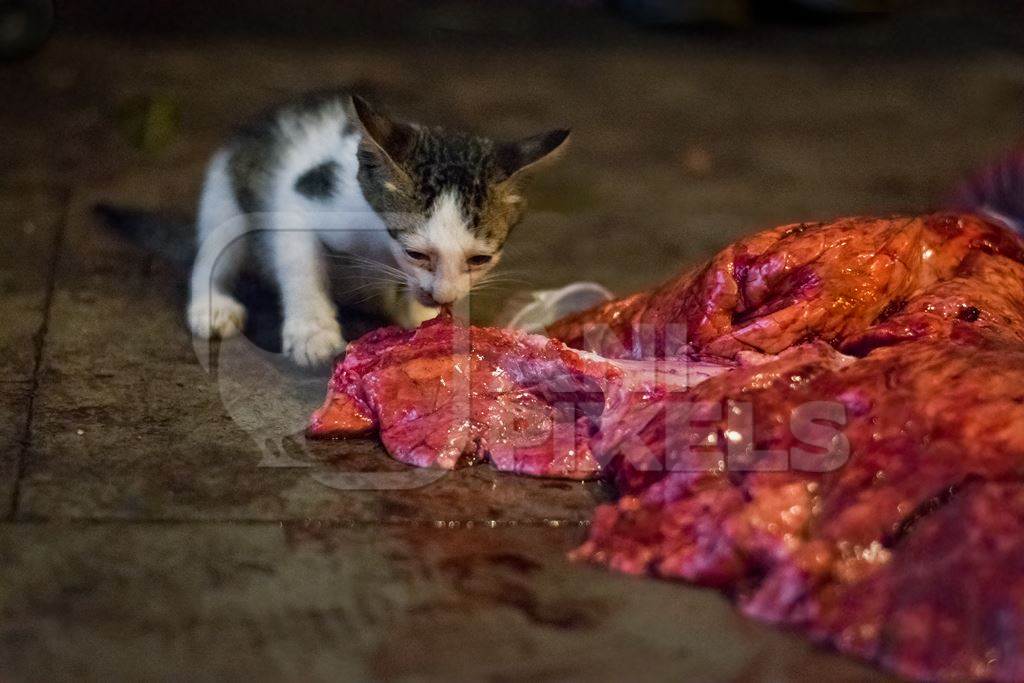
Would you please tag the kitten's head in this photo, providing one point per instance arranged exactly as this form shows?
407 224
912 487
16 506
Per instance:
449 200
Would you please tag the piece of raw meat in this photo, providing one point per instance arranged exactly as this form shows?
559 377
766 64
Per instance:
825 420
446 395
788 285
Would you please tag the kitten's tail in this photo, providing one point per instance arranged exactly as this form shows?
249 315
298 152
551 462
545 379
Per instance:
996 192
169 236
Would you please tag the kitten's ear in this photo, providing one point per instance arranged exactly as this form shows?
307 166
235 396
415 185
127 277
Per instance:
394 138
528 154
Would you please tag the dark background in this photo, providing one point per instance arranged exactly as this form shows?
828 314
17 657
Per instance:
155 518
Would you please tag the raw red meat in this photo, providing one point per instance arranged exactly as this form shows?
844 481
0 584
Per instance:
850 465
445 395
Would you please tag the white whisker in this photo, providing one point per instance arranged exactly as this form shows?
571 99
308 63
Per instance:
368 285
360 262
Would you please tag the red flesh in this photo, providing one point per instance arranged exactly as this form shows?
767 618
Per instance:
906 551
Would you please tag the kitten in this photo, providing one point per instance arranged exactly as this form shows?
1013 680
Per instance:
328 173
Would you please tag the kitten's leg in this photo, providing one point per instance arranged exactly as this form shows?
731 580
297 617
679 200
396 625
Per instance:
221 229
311 334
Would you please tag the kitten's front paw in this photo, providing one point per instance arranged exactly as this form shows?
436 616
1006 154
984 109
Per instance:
216 316
312 341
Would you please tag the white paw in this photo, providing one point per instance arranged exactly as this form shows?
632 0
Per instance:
312 341
216 316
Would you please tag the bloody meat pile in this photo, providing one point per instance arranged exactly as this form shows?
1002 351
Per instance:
826 421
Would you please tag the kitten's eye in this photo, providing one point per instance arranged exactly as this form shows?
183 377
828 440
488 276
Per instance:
416 255
478 260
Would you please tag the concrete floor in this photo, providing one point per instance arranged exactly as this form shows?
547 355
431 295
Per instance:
163 516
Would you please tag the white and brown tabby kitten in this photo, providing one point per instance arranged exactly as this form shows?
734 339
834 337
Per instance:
327 174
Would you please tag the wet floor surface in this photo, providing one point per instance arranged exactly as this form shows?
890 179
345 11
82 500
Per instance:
163 513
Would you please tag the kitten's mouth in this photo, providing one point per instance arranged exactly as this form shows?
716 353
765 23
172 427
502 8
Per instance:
426 298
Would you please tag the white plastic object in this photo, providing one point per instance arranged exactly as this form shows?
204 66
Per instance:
545 306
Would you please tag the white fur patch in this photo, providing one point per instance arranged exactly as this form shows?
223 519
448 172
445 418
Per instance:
447 229
448 239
